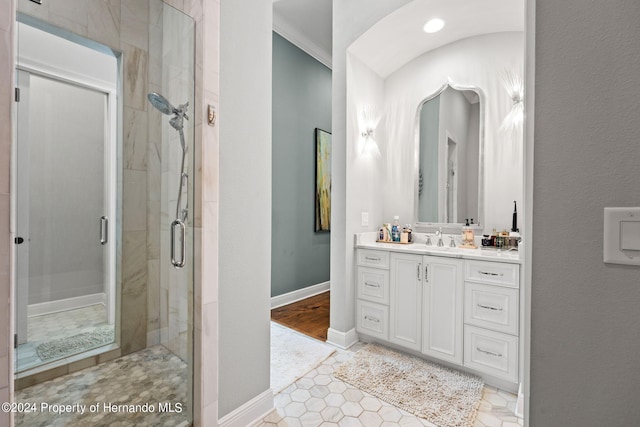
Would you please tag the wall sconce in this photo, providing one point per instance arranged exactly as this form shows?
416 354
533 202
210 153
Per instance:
512 82
368 123
367 133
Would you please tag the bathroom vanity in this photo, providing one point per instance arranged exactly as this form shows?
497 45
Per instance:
453 305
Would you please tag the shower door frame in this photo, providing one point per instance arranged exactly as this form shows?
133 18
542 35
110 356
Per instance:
24 69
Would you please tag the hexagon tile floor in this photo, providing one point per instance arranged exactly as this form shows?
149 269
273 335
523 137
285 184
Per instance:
319 399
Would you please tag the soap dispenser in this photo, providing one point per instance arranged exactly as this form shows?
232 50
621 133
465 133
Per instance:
468 237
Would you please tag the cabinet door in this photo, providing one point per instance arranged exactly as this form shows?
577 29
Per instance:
443 309
405 308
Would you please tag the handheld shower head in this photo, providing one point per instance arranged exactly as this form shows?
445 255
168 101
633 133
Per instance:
161 103
165 107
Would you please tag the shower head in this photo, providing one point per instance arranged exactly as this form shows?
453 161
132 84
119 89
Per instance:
165 107
161 103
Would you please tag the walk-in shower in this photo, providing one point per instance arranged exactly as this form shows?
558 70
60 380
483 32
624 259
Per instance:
134 215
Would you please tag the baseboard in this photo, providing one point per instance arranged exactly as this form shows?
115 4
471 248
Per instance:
251 413
66 304
342 340
300 294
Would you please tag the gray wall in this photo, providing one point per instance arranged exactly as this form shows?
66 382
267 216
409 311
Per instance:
244 202
585 315
301 103
429 125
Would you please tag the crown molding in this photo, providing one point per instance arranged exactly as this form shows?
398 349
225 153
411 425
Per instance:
293 35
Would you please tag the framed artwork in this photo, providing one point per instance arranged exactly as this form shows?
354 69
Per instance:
323 180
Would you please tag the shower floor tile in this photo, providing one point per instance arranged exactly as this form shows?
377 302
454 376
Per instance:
153 376
54 326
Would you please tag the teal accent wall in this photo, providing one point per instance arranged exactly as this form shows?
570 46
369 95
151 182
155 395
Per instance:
301 103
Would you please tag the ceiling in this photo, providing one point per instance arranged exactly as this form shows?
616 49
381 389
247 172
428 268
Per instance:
398 38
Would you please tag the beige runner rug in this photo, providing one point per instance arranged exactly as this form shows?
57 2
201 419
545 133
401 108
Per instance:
293 355
443 396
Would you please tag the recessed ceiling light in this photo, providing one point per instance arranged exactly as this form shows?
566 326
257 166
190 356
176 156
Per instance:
434 25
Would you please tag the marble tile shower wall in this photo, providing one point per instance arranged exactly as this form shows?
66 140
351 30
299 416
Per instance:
123 25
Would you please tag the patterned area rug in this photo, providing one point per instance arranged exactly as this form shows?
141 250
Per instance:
59 348
293 355
443 396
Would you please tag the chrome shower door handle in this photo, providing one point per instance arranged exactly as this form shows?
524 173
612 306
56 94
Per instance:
104 230
179 224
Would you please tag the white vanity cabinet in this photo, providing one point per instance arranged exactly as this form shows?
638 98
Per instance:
442 316
405 300
372 292
491 313
425 305
464 311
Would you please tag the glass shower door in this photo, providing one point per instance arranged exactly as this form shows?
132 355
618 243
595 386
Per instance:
63 211
170 103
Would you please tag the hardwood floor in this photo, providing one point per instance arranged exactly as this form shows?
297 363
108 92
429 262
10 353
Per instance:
309 316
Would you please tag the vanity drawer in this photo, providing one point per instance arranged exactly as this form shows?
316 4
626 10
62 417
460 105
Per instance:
373 284
495 273
492 307
373 319
371 258
491 352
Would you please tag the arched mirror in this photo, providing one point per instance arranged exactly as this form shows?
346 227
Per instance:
450 142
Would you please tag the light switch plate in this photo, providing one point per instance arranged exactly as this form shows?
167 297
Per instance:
365 219
621 243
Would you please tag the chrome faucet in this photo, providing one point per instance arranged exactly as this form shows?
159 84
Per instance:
428 242
452 243
439 235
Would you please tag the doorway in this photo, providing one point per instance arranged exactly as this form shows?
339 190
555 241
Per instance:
65 205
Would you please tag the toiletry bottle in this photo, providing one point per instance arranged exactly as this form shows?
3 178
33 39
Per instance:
468 236
386 227
410 237
514 220
381 235
395 229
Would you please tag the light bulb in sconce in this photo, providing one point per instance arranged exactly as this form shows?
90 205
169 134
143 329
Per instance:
512 82
367 133
368 123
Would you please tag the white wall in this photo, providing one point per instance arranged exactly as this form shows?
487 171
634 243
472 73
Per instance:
351 18
405 90
585 315
245 202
